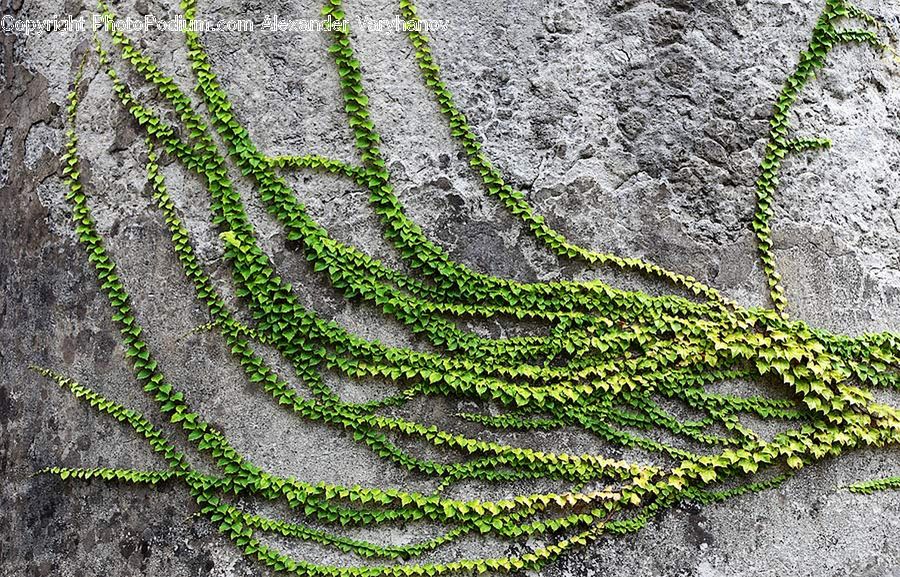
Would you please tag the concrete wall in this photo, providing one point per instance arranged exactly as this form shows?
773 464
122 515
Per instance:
634 126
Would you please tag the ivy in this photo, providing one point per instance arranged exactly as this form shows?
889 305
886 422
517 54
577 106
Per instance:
869 487
609 362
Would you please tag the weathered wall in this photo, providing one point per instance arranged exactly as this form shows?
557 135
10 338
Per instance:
634 126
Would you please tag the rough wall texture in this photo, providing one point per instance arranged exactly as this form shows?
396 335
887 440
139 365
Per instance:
634 126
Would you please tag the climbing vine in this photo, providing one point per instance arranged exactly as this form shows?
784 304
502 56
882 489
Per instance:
609 361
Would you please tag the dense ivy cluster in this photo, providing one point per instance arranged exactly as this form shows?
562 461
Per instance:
610 361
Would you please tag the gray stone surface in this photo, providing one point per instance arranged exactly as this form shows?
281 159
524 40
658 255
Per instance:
635 127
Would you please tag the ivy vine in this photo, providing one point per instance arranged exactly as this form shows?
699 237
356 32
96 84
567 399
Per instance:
609 363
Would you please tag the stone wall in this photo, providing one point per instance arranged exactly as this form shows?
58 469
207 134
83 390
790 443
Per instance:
634 126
